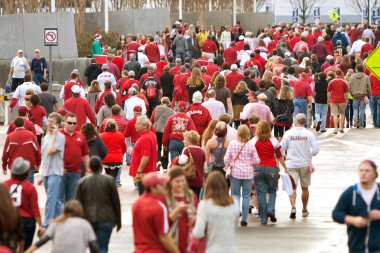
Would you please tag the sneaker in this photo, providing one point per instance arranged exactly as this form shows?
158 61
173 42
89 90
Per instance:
347 125
318 126
243 223
305 213
341 130
250 209
271 216
335 131
256 214
323 131
355 122
293 213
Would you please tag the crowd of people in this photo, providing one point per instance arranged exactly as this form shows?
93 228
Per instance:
205 123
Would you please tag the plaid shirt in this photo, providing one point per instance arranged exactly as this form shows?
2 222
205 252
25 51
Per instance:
243 167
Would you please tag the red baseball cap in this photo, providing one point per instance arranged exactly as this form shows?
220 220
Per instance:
63 112
22 110
182 105
137 108
153 179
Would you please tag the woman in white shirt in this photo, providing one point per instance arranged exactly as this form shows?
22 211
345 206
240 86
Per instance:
226 38
217 216
244 55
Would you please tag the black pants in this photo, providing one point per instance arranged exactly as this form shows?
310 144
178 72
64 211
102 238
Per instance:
16 82
280 130
164 159
152 104
196 190
29 225
112 169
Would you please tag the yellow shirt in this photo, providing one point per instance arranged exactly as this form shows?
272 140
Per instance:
201 38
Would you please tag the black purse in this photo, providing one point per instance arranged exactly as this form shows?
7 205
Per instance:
284 116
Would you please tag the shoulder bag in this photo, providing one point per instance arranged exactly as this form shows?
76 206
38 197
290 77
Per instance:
229 170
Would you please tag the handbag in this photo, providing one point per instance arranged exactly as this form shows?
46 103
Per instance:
197 245
283 117
8 86
229 169
189 167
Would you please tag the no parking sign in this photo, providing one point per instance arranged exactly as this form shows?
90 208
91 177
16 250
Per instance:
51 36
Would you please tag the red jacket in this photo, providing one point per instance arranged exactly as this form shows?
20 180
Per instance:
119 62
200 116
28 125
180 92
115 143
120 122
203 61
160 67
176 126
175 69
152 52
21 143
230 55
81 108
232 79
125 87
67 90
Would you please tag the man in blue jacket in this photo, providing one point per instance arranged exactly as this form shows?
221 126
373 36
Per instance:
359 208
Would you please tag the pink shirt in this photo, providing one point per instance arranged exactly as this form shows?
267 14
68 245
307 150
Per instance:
259 108
243 167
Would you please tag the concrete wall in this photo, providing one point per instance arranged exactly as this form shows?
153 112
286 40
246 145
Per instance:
27 32
61 69
130 21
253 21
217 18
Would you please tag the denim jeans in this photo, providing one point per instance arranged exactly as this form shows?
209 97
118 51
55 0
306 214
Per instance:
349 113
53 207
359 111
300 106
140 188
376 110
31 175
29 226
103 231
180 55
175 148
320 114
266 182
245 185
38 78
69 184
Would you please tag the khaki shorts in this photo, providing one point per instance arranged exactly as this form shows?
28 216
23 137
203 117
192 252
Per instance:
301 174
337 109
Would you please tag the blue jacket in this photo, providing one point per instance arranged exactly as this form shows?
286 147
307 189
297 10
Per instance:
342 37
351 203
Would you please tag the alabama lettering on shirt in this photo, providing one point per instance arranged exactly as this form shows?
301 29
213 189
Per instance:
299 138
189 113
179 125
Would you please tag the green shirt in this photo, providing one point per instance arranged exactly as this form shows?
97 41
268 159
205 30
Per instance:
96 48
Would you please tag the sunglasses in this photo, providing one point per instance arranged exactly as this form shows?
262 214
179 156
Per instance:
71 123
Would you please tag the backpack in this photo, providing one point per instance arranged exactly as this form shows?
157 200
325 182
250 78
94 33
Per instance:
151 92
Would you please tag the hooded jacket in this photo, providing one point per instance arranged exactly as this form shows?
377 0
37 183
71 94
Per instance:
359 85
360 240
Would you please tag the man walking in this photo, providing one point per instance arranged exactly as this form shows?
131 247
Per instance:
101 204
359 208
150 217
76 153
53 145
299 145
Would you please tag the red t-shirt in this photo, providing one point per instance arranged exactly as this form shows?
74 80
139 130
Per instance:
232 79
375 85
119 62
338 87
130 130
230 55
115 143
301 88
175 69
160 67
152 52
24 197
37 112
268 151
199 158
176 126
146 145
211 69
132 47
75 148
203 61
209 47
150 220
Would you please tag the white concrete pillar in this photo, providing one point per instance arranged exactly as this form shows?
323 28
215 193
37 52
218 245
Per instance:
179 9
106 27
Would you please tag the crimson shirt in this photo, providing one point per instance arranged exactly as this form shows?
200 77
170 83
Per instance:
200 116
75 148
230 55
119 62
152 52
301 88
337 87
209 47
268 151
232 79
146 145
176 125
25 198
211 69
130 130
82 109
115 143
375 85
28 125
149 221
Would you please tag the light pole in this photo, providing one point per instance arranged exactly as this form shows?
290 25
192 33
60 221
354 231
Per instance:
106 15
254 6
234 12
52 6
179 9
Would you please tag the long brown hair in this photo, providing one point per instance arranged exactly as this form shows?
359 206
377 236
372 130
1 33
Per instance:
196 77
8 214
207 134
263 130
216 189
73 208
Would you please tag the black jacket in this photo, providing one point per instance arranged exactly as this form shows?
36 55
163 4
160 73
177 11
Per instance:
321 91
284 106
92 73
252 86
166 80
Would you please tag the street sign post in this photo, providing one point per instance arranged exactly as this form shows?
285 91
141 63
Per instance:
50 40
317 15
373 63
295 15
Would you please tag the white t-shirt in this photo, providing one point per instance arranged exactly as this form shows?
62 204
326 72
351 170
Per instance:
130 103
20 65
367 195
21 91
106 76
